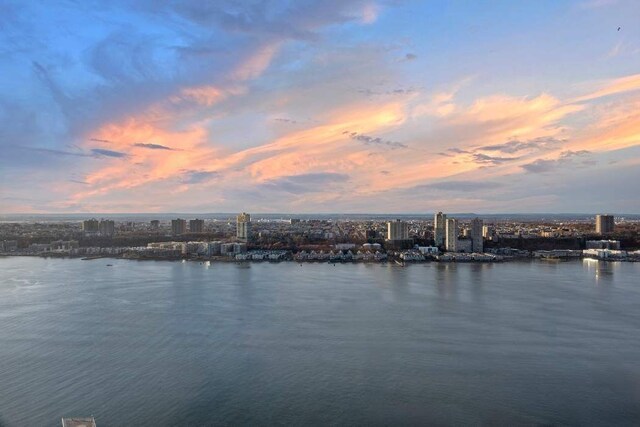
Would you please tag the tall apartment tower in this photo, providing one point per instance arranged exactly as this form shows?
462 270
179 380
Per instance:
178 226
451 242
439 228
604 224
90 226
196 225
477 241
397 230
107 227
243 226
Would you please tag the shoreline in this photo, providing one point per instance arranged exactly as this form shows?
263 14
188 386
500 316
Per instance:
228 260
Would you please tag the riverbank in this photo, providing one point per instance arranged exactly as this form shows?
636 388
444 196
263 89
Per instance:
448 259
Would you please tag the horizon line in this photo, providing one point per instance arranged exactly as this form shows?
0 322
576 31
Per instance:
314 213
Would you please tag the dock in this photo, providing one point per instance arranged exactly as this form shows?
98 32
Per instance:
79 422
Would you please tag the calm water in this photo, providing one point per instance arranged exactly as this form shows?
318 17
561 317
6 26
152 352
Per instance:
169 343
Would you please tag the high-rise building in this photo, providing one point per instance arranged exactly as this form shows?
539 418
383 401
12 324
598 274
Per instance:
196 225
477 241
91 226
397 230
439 228
155 224
243 226
604 224
451 234
178 226
107 227
464 244
487 231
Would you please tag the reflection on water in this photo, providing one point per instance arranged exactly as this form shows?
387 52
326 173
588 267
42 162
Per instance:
602 270
170 343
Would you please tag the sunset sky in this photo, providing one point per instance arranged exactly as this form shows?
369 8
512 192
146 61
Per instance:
320 106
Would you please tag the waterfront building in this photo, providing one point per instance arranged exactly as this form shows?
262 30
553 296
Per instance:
196 225
428 250
344 246
487 232
464 244
91 226
604 224
372 247
451 235
178 226
213 248
227 248
64 245
243 226
8 246
477 241
107 227
605 254
398 235
397 230
439 228
603 244
40 247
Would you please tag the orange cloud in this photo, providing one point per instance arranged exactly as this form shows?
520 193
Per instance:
327 148
203 95
613 87
145 165
616 127
257 63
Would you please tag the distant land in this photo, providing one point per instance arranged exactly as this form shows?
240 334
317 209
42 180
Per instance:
524 217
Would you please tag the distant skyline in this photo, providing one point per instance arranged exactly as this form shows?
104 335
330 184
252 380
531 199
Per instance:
320 106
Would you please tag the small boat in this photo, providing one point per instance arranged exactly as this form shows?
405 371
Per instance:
109 265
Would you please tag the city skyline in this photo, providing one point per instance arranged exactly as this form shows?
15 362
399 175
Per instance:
348 106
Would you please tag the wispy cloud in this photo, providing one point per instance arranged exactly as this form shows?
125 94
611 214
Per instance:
514 146
491 160
152 146
549 165
370 140
108 153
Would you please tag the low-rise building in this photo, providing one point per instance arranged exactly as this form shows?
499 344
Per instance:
603 244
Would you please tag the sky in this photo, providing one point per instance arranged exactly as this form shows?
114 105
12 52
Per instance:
327 106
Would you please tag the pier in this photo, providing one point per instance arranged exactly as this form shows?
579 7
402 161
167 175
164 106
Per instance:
79 422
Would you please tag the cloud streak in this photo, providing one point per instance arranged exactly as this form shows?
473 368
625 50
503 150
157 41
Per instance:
108 153
152 146
370 140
